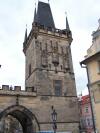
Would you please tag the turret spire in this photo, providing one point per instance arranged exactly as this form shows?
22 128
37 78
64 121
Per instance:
35 13
25 38
67 24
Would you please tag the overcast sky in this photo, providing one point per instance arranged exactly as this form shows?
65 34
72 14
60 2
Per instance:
83 18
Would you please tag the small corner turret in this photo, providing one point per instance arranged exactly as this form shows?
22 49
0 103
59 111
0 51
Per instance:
67 24
35 18
68 31
25 38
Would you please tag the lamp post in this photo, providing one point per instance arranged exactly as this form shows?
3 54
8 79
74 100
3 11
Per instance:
54 119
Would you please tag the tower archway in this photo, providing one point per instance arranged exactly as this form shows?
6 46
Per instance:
25 117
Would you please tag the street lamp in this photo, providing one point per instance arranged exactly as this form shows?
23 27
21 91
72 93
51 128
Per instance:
54 119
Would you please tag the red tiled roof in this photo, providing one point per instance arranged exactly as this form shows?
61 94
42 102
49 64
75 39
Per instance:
85 99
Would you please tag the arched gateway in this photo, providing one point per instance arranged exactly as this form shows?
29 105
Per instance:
26 118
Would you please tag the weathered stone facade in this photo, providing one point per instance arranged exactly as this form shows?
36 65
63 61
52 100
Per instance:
40 55
21 103
48 59
49 80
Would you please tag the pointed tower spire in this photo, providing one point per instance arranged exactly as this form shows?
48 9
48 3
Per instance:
35 13
67 24
44 15
25 38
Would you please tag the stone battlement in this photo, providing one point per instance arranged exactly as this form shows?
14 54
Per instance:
41 29
16 90
59 31
10 88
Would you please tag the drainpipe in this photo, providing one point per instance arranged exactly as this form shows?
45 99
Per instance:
84 66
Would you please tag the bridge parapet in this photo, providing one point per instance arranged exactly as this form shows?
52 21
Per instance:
16 90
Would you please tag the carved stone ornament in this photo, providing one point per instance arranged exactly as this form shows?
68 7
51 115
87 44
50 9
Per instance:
44 58
55 59
55 56
66 64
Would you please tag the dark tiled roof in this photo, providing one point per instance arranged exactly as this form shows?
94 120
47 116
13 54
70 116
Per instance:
44 15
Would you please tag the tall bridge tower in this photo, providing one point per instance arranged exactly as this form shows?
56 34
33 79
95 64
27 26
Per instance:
49 71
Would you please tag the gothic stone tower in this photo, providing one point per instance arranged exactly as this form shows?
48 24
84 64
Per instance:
49 71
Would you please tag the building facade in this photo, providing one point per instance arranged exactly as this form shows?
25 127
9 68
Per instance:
92 62
86 122
49 71
49 82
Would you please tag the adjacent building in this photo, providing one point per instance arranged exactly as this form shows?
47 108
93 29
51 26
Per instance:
86 123
92 64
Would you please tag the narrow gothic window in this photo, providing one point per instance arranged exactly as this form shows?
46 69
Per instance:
57 87
29 69
61 67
